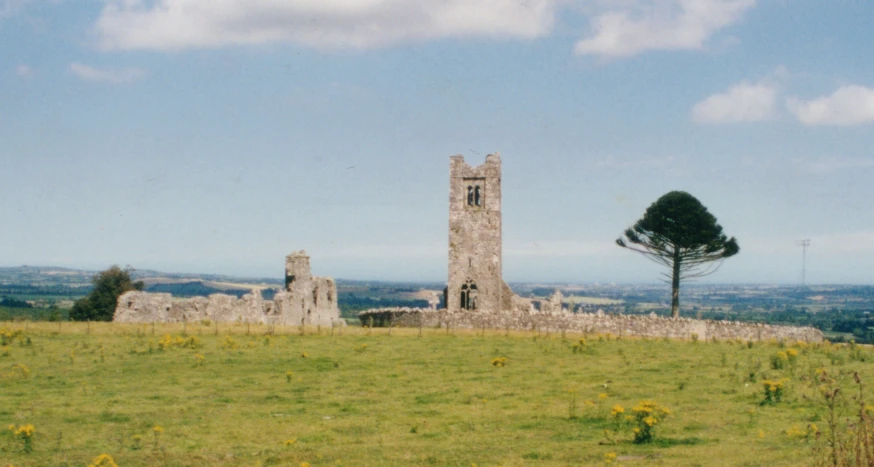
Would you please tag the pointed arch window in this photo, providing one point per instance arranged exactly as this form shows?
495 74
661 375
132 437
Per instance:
470 195
477 196
468 295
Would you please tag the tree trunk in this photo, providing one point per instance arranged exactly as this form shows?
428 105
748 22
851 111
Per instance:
675 286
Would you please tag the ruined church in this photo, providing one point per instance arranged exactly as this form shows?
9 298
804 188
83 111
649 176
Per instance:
305 300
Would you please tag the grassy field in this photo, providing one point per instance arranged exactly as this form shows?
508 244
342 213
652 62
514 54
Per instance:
240 397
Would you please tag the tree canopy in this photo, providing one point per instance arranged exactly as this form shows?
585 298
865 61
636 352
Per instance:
677 231
100 304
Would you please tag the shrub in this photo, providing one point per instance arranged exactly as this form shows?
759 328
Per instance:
773 391
100 304
25 434
169 342
647 414
8 336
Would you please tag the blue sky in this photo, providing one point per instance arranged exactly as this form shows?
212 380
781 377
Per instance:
219 135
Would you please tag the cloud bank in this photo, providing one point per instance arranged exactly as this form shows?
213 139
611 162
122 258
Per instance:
617 28
634 27
181 24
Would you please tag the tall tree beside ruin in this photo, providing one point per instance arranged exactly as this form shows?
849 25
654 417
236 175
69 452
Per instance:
99 305
677 231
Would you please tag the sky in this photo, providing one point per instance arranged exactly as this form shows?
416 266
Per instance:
217 136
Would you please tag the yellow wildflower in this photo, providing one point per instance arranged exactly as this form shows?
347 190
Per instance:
103 460
25 431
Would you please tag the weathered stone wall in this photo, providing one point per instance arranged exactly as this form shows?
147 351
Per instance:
306 300
145 307
619 325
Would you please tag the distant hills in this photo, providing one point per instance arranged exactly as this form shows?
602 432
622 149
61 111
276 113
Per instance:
59 276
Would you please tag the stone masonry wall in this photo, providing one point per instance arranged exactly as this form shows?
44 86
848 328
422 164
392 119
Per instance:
307 300
619 325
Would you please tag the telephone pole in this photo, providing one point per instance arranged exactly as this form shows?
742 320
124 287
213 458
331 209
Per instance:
804 244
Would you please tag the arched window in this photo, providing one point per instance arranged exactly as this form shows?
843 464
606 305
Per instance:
468 296
477 196
470 196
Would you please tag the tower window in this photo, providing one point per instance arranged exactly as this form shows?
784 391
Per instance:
468 296
476 192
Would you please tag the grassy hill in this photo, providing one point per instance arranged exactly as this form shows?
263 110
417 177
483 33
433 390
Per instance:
231 395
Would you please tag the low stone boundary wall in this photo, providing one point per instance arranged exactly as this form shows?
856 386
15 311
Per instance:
619 325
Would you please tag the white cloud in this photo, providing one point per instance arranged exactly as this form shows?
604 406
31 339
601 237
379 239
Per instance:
744 102
24 71
180 24
637 26
112 76
849 105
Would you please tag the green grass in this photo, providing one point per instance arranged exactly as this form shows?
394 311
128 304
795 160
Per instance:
399 400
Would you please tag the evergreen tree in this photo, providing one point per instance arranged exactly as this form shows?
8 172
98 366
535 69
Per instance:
677 231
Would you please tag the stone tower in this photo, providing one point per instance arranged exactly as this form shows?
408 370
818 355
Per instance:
475 282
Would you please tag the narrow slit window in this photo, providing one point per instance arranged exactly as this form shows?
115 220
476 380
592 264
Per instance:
477 196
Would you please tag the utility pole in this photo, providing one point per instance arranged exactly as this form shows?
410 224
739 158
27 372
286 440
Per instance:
804 244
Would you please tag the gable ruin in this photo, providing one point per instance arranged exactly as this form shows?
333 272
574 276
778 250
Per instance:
305 300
